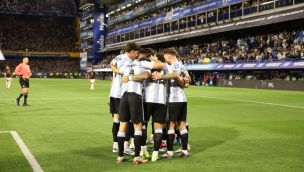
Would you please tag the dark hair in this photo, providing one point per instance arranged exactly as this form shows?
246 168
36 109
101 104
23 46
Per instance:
132 46
171 51
160 57
147 51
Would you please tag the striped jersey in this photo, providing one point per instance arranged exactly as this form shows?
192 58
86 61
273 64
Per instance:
156 91
135 68
176 93
119 62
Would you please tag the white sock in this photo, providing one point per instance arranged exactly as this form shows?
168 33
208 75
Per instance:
126 145
185 152
155 153
144 148
115 145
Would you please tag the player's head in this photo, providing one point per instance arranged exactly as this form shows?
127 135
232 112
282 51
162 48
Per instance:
25 60
146 53
7 67
170 55
161 57
132 50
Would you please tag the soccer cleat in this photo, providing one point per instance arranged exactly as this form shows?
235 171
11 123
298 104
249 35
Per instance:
178 150
115 150
167 155
183 153
163 144
128 151
145 154
132 146
139 160
154 157
120 160
18 101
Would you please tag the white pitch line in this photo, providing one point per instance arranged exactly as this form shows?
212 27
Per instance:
248 101
5 132
26 152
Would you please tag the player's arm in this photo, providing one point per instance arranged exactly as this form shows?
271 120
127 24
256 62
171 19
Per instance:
138 77
154 64
115 69
157 64
174 76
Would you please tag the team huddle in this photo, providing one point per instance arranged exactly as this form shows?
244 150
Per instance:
147 85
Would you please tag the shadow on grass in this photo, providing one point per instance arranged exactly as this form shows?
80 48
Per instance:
204 138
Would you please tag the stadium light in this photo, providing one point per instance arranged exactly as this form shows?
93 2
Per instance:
123 7
128 5
1 56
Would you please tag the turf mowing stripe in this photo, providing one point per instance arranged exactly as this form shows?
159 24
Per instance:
248 101
238 100
4 132
56 98
26 152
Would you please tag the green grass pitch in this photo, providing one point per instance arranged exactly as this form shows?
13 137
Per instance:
68 129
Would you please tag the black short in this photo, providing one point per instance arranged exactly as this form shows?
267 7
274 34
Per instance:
131 108
24 83
114 105
178 111
158 112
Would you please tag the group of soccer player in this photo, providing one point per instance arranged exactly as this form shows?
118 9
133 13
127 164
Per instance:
146 84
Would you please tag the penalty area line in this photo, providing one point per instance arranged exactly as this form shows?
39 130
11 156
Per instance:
26 152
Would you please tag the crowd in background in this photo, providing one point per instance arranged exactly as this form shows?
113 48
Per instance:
284 45
117 18
22 33
59 7
60 67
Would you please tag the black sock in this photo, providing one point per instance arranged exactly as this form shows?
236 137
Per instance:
20 96
137 142
130 131
165 136
184 139
115 129
121 140
25 99
170 141
177 135
153 131
157 139
144 135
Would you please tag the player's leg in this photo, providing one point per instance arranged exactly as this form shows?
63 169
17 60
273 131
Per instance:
25 92
22 84
6 82
9 82
136 113
148 108
124 118
129 134
183 130
114 109
158 116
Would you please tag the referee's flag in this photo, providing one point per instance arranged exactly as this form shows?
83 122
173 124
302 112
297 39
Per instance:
1 56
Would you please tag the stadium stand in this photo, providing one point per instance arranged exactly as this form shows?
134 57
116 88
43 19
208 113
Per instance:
38 34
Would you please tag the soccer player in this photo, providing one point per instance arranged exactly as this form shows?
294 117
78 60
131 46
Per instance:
92 78
115 92
24 72
8 77
131 105
177 101
155 106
